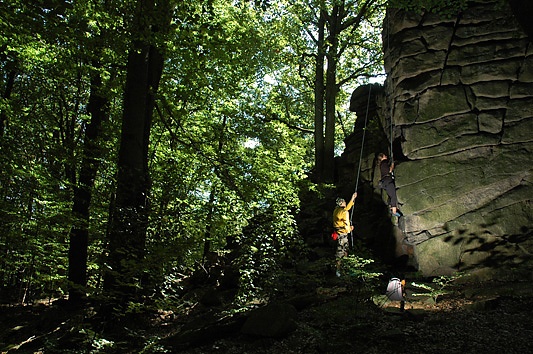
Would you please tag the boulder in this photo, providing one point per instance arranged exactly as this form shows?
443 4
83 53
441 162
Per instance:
274 320
458 96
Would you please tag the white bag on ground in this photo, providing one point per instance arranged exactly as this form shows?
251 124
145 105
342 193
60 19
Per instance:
394 290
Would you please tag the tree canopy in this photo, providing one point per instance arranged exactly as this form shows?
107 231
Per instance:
138 138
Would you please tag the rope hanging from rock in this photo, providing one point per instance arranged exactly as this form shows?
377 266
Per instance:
391 154
362 147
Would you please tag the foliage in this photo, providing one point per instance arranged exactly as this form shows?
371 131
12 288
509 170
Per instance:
231 138
329 67
42 140
355 266
446 8
268 245
440 286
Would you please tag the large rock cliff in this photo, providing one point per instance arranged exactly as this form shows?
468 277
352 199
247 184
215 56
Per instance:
460 95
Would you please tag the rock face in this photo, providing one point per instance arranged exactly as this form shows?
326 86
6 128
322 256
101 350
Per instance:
460 93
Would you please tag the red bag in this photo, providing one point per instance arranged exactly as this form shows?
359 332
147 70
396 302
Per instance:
334 235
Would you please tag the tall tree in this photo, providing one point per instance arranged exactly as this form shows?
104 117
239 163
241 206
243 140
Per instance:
95 26
319 97
127 238
344 16
9 73
340 36
50 92
79 235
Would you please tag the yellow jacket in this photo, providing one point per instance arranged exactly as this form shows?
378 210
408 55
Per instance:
341 219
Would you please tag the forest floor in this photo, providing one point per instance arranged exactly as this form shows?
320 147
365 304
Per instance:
473 318
345 315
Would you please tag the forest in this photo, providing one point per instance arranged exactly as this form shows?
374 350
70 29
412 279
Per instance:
148 146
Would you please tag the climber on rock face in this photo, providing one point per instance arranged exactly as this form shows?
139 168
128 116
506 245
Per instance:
342 225
387 182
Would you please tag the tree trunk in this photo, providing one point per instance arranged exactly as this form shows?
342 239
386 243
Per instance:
331 95
209 222
130 216
79 234
341 18
7 94
319 101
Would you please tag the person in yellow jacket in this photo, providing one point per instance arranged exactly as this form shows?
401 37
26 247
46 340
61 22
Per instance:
341 224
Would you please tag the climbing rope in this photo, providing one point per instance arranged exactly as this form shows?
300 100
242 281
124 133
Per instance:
363 139
366 118
366 121
391 154
361 156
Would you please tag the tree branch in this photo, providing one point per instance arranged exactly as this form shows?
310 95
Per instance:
276 118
